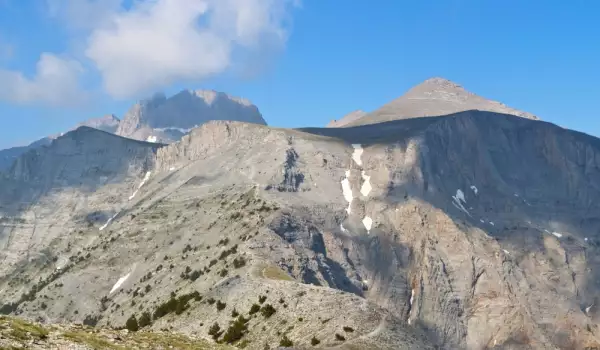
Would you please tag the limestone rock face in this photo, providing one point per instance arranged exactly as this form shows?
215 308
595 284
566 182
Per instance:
467 231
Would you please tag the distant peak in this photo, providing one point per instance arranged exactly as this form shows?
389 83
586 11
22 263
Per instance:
438 83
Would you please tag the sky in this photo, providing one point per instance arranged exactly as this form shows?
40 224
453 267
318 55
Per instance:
302 62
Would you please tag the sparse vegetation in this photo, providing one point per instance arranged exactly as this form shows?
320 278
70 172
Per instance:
221 305
177 305
236 331
339 337
267 311
285 341
215 331
145 320
314 341
132 324
262 298
239 262
348 329
254 309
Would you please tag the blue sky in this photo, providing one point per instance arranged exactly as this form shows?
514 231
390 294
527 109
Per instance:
538 56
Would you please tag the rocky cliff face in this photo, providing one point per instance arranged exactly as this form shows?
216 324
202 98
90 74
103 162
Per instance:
162 119
468 231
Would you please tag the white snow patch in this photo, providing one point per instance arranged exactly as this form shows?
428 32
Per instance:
146 177
358 151
546 231
585 239
458 201
347 190
366 186
505 251
491 223
559 235
151 139
108 222
412 299
516 195
475 190
119 283
368 223
587 309
482 221
172 168
343 228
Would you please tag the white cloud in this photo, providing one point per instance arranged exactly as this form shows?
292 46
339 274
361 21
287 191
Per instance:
156 43
55 82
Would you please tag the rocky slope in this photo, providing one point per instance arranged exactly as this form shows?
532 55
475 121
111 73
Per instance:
468 231
433 97
348 118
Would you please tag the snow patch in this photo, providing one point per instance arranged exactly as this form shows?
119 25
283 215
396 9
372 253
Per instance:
108 222
412 299
585 239
587 309
343 228
366 186
516 195
119 283
146 177
151 139
368 223
358 151
458 201
347 190
475 190
482 221
505 251
492 223
172 168
559 235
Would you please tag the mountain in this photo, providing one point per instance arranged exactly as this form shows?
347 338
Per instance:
472 230
348 118
161 119
433 97
108 123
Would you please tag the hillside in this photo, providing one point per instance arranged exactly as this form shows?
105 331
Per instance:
472 230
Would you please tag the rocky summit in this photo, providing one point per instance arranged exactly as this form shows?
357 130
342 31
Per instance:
474 229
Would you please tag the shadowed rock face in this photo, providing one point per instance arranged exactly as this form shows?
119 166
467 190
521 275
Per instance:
433 97
473 230
162 119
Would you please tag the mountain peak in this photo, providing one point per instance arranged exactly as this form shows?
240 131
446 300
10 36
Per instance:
435 97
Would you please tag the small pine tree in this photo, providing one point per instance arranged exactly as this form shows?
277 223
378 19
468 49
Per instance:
220 305
215 331
132 324
267 311
144 320
254 309
285 341
314 341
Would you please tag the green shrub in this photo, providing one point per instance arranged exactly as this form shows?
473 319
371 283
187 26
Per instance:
348 329
195 275
239 262
220 305
267 310
314 341
285 341
340 337
132 324
262 298
210 301
235 332
234 313
254 309
144 320
215 331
